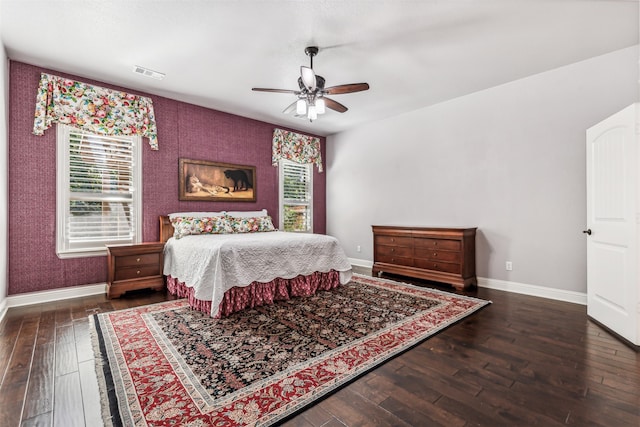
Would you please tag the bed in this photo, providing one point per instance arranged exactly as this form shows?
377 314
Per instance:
235 268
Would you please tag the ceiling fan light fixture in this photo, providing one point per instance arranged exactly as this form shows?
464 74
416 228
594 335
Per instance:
301 107
320 106
312 113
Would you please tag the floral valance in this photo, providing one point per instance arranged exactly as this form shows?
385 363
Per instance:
93 108
295 147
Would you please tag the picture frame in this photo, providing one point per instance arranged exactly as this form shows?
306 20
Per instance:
202 180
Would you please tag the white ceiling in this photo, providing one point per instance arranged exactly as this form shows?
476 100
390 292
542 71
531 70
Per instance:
412 53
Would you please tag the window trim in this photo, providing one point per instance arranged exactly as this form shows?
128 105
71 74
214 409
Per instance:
63 192
281 164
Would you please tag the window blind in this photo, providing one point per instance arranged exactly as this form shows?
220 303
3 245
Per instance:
297 196
99 207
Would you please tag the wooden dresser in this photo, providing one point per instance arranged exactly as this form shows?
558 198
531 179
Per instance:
445 255
135 266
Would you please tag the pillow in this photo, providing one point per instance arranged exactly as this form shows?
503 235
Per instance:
195 214
251 224
185 226
247 214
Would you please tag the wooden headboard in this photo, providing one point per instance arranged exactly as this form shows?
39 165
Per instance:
166 229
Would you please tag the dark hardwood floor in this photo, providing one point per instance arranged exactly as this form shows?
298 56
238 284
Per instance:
521 361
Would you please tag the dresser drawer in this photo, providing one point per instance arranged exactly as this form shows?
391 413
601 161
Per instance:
135 260
438 255
392 259
449 245
437 265
133 272
394 241
400 251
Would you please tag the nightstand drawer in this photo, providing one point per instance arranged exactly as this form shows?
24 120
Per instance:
134 273
136 260
135 266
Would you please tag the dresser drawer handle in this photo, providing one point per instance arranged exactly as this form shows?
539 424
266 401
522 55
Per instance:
138 272
435 265
393 240
137 259
393 249
435 254
435 243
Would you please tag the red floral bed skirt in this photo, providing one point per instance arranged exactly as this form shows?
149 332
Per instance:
257 293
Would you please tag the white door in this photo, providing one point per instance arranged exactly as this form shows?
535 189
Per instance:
612 246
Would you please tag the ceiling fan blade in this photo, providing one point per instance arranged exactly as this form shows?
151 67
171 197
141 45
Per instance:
348 88
291 108
334 105
262 89
308 78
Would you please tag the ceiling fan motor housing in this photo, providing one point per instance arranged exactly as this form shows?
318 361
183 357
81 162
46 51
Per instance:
319 83
311 51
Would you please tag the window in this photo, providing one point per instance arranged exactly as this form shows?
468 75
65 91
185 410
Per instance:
98 192
296 196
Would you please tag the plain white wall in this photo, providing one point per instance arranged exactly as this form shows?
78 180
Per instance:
509 160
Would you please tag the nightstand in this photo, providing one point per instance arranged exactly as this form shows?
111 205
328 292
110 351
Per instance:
136 266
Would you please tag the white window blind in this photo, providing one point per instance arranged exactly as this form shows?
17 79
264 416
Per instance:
296 196
98 191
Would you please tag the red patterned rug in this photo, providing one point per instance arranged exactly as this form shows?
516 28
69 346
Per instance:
166 364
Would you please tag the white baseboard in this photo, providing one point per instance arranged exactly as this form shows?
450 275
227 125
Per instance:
49 296
3 308
534 290
515 287
361 263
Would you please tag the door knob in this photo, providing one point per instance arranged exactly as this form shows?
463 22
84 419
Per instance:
587 231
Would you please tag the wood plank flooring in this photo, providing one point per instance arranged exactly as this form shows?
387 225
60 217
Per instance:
521 361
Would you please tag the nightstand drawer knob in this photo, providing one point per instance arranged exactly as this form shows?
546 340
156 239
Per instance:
393 250
138 272
137 259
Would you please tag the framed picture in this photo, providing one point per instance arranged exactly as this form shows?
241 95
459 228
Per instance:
202 180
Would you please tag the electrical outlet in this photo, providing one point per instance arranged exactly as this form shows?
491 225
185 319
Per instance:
358 248
508 266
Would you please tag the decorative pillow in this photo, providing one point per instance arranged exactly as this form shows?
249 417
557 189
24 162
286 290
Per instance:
184 226
247 214
251 224
196 214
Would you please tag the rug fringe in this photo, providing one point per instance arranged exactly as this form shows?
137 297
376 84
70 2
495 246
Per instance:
99 365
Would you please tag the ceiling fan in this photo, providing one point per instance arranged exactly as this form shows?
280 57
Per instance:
312 99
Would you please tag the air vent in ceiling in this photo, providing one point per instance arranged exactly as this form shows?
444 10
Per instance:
148 73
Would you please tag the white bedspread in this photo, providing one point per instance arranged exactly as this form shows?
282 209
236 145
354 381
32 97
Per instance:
214 263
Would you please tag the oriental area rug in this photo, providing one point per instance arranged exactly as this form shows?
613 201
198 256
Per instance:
167 364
